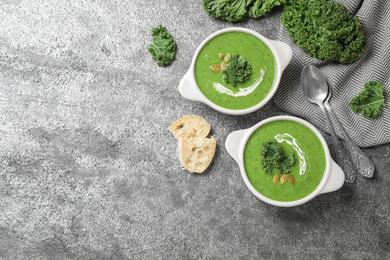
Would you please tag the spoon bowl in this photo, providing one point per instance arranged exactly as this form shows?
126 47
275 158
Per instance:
315 87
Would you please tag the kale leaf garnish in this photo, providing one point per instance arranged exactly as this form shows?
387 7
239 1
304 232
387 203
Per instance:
273 157
271 154
163 47
370 101
238 70
286 163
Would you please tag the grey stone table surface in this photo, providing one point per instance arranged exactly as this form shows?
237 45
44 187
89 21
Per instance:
89 171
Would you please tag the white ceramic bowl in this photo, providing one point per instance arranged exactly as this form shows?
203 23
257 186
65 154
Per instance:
189 89
332 179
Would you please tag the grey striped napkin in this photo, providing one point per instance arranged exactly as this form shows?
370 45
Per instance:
346 81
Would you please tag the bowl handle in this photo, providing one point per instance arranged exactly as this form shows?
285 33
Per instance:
285 53
232 144
336 179
188 88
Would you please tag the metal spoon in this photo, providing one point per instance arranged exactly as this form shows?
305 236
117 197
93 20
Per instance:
316 90
364 166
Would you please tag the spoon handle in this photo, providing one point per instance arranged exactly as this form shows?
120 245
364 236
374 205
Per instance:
341 155
362 162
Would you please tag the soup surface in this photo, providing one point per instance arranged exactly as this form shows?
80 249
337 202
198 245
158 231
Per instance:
245 94
309 164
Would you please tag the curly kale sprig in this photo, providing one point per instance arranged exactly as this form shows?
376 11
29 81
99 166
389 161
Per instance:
163 47
370 101
286 163
324 29
239 10
238 70
273 157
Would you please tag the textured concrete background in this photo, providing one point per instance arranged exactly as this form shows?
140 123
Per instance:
88 170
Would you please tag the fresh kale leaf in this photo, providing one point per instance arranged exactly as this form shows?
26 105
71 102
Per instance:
238 10
163 47
273 157
324 29
216 8
260 7
370 101
229 10
238 70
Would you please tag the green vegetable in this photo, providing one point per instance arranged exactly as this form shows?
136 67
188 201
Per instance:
271 154
261 7
163 47
238 70
370 101
324 29
273 157
286 163
239 10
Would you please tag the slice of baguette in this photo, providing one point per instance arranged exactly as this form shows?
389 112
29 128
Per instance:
190 126
196 153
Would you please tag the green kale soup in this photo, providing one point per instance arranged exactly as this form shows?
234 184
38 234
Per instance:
244 94
293 137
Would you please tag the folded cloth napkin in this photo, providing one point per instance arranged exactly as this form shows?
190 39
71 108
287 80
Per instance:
346 80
